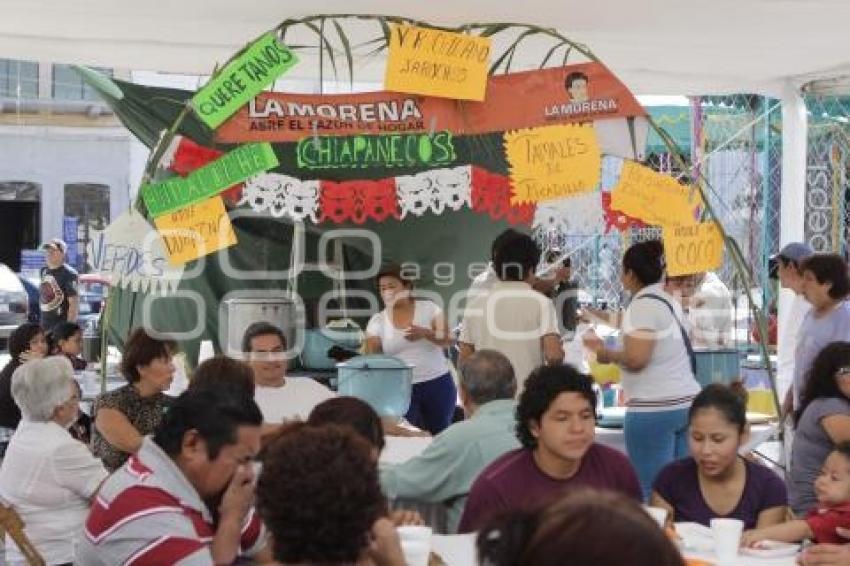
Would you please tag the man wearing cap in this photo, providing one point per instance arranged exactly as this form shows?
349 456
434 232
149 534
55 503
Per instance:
58 291
786 266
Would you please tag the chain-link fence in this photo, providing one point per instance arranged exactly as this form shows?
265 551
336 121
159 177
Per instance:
732 145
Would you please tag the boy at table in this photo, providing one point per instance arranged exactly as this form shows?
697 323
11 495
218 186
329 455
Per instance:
556 424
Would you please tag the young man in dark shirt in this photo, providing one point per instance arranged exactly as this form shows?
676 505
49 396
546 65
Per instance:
58 291
556 425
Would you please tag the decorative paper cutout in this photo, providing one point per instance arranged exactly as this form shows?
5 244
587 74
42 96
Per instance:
435 190
437 63
184 156
201 184
242 79
358 201
282 195
654 198
384 150
133 255
553 161
491 194
580 215
195 231
692 249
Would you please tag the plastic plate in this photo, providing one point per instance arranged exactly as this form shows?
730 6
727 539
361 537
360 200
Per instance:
771 549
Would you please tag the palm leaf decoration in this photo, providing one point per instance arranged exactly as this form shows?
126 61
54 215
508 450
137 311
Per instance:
342 45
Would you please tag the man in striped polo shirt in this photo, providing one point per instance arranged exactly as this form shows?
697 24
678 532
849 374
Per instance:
186 497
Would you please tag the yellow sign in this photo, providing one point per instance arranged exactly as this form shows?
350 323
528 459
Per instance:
553 162
654 198
434 62
692 249
196 230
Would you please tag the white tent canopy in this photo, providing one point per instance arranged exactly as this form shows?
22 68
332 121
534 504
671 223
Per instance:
654 46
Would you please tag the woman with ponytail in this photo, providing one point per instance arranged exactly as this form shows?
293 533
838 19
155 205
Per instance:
658 365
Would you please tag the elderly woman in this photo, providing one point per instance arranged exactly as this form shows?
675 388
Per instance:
826 285
124 416
47 476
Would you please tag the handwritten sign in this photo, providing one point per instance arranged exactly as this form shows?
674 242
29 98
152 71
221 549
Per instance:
692 249
552 162
242 79
133 255
654 198
388 150
195 231
437 63
201 184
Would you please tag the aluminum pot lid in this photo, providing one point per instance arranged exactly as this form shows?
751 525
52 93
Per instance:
374 361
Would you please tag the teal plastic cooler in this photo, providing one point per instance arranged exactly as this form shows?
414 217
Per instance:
382 381
718 366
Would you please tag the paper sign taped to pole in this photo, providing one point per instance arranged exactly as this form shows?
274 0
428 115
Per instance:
693 249
232 168
436 62
242 79
195 231
553 162
133 255
654 198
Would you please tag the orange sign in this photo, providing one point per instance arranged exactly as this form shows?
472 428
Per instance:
562 95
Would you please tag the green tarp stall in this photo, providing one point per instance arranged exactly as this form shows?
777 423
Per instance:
454 240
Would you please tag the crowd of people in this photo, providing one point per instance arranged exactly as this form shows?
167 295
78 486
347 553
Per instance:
250 464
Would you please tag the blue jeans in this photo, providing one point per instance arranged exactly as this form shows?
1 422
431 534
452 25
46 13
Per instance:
653 440
432 404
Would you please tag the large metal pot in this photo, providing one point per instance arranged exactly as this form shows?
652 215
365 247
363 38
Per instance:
382 381
317 342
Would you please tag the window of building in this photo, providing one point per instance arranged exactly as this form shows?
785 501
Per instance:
88 205
69 85
18 79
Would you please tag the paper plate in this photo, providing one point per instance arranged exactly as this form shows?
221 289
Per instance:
771 549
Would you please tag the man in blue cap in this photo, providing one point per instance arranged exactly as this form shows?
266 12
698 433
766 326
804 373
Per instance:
786 267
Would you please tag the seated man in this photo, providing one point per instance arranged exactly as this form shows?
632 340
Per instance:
280 398
448 466
556 424
186 496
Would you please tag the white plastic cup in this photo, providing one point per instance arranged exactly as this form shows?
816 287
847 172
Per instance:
659 514
415 544
727 538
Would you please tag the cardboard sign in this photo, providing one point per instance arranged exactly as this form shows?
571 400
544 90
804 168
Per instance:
654 198
201 184
133 255
559 95
692 249
437 63
387 150
553 162
242 79
195 231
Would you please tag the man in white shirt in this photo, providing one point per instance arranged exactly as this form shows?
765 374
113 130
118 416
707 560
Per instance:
787 263
279 397
707 304
485 280
512 318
